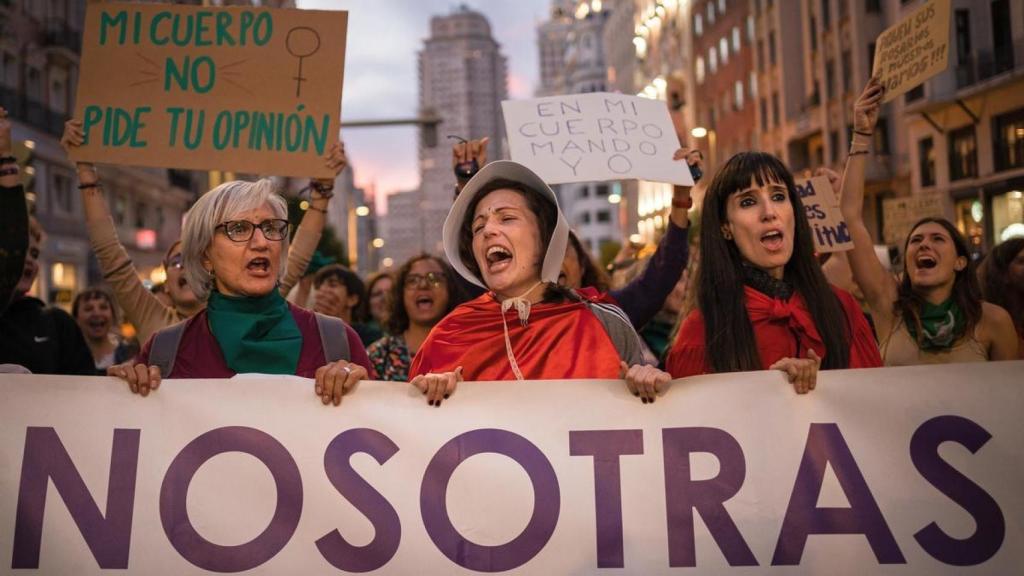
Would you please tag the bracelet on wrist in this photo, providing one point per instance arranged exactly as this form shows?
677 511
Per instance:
323 191
320 210
87 185
9 171
863 133
683 204
858 152
8 160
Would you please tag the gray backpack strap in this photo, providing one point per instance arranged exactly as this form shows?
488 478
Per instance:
333 337
165 347
620 330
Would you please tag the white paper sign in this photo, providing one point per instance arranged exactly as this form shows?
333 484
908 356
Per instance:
594 137
899 471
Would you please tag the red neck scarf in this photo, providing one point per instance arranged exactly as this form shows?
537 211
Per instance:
559 342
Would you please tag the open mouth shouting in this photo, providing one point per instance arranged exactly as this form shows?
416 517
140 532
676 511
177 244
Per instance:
926 262
499 258
772 240
259 266
424 303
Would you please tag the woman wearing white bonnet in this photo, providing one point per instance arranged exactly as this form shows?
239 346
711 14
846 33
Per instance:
506 234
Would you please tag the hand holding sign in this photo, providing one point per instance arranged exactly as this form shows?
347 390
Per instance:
913 50
593 137
823 214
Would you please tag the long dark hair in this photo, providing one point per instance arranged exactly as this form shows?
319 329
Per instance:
966 290
592 275
996 286
729 339
398 319
547 218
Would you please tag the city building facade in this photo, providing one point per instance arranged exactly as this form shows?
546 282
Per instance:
39 57
463 79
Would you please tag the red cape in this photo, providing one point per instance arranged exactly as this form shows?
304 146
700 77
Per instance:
777 325
560 342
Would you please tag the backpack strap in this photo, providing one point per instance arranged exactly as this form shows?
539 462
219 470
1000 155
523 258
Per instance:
333 337
165 347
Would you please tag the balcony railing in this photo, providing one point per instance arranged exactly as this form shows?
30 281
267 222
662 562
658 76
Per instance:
984 64
31 112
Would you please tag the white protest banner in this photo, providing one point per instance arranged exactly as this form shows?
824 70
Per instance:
594 137
914 49
824 215
906 471
239 88
899 214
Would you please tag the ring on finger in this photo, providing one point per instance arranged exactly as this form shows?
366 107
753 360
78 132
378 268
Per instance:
347 369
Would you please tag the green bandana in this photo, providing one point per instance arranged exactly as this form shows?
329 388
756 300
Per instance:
255 334
941 323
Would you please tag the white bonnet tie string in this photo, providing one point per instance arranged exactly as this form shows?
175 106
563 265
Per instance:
522 306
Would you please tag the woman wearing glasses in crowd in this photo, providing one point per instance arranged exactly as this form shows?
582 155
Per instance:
235 245
935 314
426 291
143 308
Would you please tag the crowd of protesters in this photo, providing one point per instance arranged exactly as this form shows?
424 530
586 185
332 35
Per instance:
516 296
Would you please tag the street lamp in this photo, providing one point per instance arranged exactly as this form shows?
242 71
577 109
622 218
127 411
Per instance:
701 132
378 243
362 210
614 198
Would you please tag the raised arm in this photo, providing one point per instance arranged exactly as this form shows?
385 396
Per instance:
307 236
141 307
642 298
878 286
468 157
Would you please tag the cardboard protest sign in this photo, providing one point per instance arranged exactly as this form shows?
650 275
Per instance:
593 137
238 88
889 471
913 50
899 214
824 215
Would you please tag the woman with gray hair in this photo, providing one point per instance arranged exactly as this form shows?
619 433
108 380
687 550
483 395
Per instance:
235 247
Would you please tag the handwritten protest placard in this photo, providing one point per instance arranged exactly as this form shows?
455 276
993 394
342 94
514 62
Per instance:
913 50
899 214
593 137
824 215
239 88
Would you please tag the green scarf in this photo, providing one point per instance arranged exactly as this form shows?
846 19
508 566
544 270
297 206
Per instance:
941 324
255 334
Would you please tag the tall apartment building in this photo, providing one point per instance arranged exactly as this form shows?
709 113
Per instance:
405 226
463 79
572 56
39 56
965 127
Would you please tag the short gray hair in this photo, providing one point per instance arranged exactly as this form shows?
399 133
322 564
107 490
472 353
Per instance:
212 209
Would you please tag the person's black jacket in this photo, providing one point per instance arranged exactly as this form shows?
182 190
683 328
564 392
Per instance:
44 340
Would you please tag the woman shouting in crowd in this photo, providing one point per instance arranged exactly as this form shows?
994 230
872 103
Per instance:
506 234
235 245
425 292
763 302
935 313
141 307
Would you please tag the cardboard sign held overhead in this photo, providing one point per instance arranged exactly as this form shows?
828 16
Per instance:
913 50
240 88
899 214
823 214
593 137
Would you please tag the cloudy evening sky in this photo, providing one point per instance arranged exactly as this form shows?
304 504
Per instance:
381 82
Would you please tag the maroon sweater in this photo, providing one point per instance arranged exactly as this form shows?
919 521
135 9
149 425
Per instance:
199 354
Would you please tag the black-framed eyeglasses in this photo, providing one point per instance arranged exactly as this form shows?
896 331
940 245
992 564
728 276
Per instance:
242 230
176 261
432 279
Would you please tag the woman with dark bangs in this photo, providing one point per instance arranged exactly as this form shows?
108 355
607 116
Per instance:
763 302
935 314
426 290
